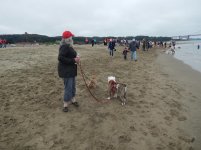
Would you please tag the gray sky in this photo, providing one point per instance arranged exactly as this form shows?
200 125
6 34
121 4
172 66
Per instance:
101 17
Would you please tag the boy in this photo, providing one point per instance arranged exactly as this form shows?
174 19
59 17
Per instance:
125 51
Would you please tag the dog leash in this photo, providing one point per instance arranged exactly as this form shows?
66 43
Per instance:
84 79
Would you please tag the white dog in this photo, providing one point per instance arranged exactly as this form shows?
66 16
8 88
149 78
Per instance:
171 51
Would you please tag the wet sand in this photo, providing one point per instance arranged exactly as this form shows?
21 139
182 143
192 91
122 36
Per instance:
190 80
31 103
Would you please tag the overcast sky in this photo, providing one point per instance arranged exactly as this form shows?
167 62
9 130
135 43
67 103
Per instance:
101 17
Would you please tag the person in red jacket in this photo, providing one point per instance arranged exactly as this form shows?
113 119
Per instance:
86 41
4 43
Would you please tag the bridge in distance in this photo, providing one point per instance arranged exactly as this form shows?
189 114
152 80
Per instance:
185 37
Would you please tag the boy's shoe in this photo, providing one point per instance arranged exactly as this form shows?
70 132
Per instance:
65 109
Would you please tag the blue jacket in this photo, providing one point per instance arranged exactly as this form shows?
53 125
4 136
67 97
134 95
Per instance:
111 45
133 46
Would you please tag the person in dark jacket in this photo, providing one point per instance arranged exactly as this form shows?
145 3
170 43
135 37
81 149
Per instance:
67 69
111 47
132 47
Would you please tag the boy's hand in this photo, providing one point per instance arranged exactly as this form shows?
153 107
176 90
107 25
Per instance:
77 59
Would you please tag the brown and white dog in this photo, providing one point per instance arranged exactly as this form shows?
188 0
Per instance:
117 90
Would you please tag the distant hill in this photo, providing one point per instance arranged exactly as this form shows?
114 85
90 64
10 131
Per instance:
31 38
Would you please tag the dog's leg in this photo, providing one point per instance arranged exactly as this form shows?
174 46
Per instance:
108 89
121 99
109 95
124 98
123 102
117 91
109 92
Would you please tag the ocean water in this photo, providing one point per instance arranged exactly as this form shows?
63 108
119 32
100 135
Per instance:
188 52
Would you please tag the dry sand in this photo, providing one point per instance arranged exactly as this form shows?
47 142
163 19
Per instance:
31 114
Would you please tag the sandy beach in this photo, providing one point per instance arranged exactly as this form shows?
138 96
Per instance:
162 111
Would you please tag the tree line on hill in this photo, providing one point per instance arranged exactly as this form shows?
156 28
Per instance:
36 38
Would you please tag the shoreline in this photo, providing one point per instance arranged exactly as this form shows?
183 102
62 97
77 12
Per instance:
190 79
191 66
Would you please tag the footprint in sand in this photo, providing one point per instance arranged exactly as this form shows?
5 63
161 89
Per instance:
187 139
168 118
132 128
160 147
129 112
58 142
153 130
174 112
154 133
194 97
124 139
182 118
132 103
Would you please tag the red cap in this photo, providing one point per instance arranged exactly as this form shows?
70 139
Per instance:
67 34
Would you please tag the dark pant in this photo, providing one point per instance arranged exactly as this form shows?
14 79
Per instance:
111 52
125 57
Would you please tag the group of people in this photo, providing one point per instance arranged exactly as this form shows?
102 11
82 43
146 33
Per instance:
93 41
3 43
132 47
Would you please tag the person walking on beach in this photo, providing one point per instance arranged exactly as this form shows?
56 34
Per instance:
86 40
105 42
143 44
1 43
132 47
95 41
198 46
125 51
165 44
111 46
67 69
4 43
92 42
173 44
